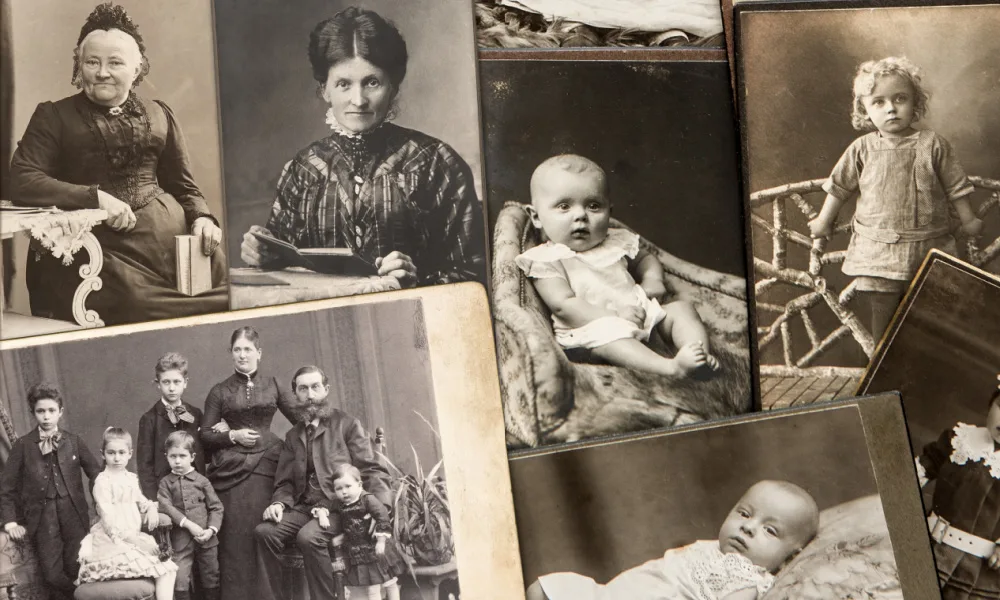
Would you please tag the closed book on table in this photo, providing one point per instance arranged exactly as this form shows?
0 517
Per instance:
194 269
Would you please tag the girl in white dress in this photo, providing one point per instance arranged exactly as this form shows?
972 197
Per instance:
116 548
584 274
769 525
907 182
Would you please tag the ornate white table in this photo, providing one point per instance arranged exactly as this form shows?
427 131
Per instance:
63 233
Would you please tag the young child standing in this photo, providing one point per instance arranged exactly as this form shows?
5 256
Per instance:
584 274
116 547
187 497
169 414
965 509
41 490
766 528
906 181
373 563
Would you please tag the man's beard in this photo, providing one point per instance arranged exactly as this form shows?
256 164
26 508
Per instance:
317 408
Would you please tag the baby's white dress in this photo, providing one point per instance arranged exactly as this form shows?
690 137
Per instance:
599 276
698 571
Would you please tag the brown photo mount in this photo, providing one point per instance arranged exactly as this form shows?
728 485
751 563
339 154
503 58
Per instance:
600 509
815 327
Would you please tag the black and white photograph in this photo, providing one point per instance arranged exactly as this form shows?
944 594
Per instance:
803 504
520 24
942 353
112 197
292 454
869 139
351 145
619 273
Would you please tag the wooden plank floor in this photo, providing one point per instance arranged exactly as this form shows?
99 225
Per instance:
782 392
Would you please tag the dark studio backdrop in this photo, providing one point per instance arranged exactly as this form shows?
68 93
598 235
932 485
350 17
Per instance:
663 131
179 45
270 106
603 509
375 355
798 71
945 356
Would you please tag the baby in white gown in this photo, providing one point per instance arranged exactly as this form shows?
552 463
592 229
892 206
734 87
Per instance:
769 525
584 274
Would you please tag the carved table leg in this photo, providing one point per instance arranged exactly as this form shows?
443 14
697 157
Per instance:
90 273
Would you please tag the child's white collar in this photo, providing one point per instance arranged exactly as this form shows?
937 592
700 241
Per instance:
975 444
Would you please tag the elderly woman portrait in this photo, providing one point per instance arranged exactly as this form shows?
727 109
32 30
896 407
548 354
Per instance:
108 147
399 199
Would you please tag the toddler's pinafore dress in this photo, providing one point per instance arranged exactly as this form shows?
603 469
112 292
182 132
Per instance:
599 276
906 186
965 465
699 571
365 567
116 548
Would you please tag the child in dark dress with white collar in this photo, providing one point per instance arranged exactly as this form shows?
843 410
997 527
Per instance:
169 414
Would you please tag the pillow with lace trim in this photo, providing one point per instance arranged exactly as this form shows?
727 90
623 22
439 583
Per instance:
719 575
543 260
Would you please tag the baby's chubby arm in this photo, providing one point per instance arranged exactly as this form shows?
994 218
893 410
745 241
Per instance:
649 274
744 594
564 303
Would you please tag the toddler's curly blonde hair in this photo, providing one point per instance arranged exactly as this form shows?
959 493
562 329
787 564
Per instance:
864 83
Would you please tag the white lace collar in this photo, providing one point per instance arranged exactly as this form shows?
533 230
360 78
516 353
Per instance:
619 243
975 444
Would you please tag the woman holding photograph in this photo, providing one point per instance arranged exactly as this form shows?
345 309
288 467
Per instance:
236 433
109 148
400 199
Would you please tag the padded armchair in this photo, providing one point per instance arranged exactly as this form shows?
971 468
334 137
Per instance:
548 399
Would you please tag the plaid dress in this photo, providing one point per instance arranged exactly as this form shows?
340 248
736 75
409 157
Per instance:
391 189
906 186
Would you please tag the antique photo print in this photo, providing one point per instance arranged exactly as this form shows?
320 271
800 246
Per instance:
942 353
869 139
287 437
619 278
801 504
351 148
111 121
598 23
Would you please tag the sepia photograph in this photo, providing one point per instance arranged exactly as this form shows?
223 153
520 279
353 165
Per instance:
942 352
869 139
111 204
351 147
801 504
598 23
619 273
260 454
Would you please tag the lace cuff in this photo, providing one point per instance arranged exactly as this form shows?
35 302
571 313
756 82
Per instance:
921 472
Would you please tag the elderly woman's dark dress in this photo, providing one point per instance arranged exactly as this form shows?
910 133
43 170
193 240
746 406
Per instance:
72 148
387 189
243 477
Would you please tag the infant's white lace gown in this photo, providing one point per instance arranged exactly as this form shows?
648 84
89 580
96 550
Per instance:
699 571
599 276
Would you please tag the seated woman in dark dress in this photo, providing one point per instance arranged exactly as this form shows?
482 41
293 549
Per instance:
108 148
400 199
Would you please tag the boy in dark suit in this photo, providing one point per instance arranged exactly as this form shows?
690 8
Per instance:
322 438
169 414
188 498
41 490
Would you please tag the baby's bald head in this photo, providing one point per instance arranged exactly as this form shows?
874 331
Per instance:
572 164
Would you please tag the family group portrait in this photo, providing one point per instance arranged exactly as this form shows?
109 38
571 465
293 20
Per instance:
802 505
287 456
148 174
867 147
619 278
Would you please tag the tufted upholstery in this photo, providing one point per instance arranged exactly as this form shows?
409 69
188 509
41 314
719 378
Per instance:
549 399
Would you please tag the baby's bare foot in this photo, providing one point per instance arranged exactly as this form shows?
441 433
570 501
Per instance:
691 358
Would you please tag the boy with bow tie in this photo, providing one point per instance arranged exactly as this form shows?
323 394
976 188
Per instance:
169 414
41 490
